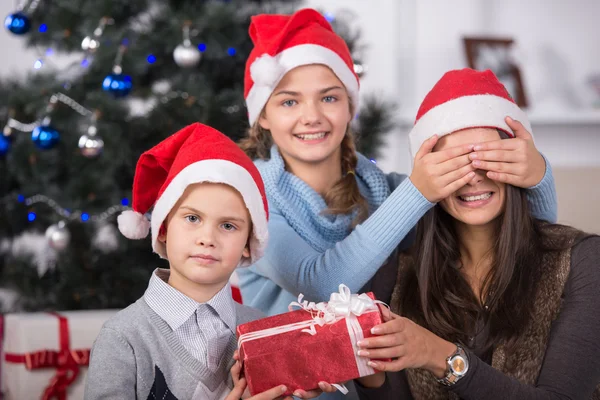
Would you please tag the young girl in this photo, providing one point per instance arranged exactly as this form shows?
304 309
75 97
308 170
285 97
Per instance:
334 216
494 304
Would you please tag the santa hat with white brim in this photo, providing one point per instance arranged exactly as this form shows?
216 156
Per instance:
284 42
195 154
464 99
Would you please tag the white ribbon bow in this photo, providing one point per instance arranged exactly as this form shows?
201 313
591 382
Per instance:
344 303
341 305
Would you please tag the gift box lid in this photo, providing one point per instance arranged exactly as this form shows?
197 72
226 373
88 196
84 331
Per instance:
25 332
257 347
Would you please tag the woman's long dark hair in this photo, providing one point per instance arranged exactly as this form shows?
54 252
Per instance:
437 296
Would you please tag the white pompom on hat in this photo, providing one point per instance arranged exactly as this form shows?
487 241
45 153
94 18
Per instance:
463 99
284 42
133 225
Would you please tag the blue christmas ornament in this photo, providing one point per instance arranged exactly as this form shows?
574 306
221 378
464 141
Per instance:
45 137
117 84
4 144
18 23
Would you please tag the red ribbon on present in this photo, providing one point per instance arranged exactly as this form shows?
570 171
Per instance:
66 362
1 349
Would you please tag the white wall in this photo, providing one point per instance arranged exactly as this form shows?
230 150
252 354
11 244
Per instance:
15 59
413 42
560 49
556 41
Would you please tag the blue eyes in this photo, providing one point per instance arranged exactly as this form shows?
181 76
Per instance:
326 99
226 225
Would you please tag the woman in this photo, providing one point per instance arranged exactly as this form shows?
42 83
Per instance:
494 303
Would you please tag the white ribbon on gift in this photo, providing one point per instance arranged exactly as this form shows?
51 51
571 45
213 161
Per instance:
342 305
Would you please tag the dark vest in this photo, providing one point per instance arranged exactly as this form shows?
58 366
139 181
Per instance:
524 362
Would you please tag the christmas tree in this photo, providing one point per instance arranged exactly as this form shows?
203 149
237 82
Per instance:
72 137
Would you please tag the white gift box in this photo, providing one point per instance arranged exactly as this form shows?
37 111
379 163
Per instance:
37 336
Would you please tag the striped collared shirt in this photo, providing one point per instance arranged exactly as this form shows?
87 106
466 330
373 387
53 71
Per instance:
206 330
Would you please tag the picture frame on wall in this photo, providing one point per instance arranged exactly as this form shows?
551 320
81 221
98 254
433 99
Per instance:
496 54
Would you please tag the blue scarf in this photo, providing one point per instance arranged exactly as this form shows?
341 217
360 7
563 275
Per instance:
303 207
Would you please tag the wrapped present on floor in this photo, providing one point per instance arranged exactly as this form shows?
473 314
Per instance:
1 354
46 354
316 343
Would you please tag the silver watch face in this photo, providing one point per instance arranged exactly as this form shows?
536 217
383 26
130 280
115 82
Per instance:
458 365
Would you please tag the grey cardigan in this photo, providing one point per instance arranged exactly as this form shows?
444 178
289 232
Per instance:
137 356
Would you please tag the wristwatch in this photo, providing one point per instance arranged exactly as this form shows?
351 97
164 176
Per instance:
457 365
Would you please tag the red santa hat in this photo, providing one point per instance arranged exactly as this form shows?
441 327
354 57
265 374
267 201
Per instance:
195 154
284 42
464 99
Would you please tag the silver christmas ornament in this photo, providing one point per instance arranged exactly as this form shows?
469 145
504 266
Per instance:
91 145
58 236
186 55
90 44
106 239
7 131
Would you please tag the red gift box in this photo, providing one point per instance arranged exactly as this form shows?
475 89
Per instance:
46 354
317 343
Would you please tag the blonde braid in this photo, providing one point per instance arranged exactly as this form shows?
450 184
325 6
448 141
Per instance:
345 197
258 143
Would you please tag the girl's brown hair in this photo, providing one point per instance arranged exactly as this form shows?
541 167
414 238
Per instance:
344 197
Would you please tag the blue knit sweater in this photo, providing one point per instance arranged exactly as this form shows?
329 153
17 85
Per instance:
311 252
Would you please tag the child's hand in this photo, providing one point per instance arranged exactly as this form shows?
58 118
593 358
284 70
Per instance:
240 390
515 161
438 175
270 394
311 394
407 344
